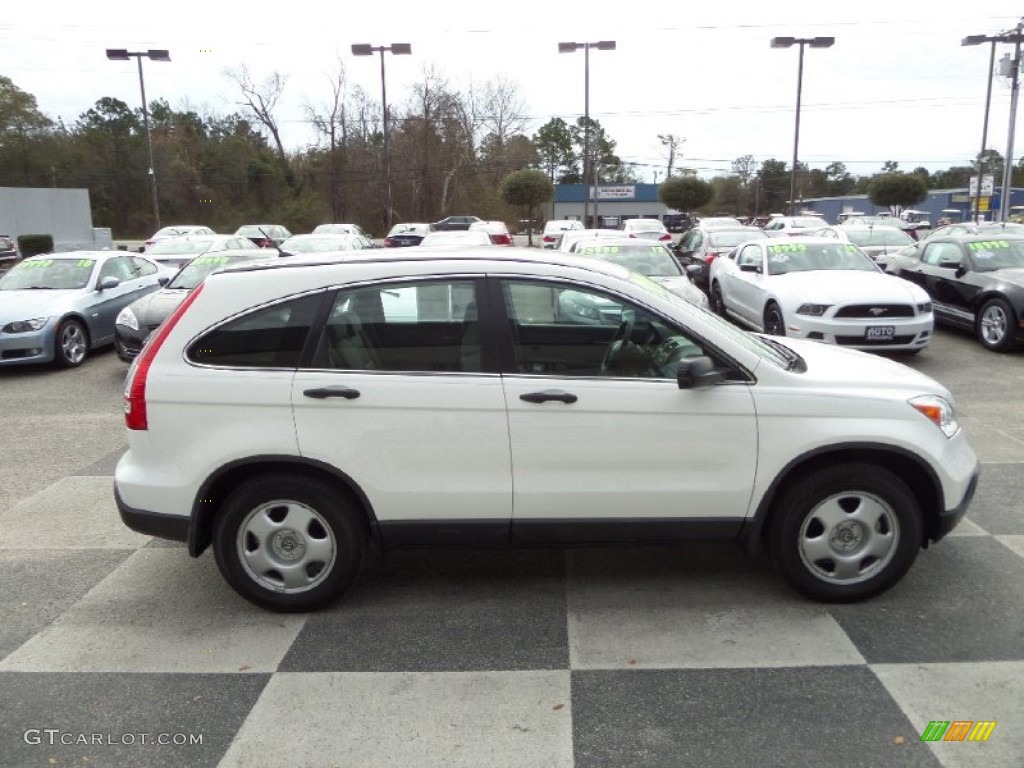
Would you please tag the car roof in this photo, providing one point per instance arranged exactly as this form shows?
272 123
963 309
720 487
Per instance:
96 255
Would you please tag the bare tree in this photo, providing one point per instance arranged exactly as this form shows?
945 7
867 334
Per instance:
329 123
260 100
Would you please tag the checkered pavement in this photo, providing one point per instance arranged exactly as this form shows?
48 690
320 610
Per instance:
660 656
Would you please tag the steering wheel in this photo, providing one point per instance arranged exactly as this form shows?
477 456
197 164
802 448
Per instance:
618 340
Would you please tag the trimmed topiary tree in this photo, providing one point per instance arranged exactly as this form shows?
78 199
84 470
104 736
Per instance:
685 193
527 190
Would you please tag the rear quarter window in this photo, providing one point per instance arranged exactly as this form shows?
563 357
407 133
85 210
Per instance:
270 337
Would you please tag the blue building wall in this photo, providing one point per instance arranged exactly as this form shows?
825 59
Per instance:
937 201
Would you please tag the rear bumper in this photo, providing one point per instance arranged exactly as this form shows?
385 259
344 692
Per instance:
173 527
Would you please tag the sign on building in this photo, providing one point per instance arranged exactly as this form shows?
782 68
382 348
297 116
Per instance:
986 186
626 192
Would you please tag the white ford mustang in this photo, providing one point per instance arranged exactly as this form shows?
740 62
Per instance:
820 289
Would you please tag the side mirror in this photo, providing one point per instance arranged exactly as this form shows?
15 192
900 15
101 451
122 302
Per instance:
163 280
750 267
698 373
949 264
692 270
108 282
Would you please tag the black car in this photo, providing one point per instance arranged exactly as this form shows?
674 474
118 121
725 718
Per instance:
975 282
140 318
453 222
701 245
406 235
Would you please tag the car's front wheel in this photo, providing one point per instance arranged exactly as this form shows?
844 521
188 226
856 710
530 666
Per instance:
845 532
996 324
288 542
774 325
71 345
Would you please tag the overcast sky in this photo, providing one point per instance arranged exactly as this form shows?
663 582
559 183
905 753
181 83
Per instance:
897 85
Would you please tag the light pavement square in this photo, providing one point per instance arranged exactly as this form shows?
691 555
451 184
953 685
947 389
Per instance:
401 719
1014 543
649 608
160 611
992 691
73 513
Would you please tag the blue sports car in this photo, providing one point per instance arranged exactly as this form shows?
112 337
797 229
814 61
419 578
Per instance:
57 307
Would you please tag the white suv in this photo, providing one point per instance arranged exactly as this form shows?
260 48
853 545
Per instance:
289 414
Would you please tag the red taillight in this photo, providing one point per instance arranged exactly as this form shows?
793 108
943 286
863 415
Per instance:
547 239
135 416
710 256
389 243
666 236
504 239
631 234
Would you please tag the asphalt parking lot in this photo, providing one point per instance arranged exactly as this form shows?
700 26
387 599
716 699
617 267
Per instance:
666 656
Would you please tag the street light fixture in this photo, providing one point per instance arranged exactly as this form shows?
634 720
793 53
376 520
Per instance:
588 167
397 49
154 54
1015 37
789 42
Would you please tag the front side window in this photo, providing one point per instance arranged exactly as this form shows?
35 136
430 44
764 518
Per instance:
563 330
119 267
415 327
271 337
941 254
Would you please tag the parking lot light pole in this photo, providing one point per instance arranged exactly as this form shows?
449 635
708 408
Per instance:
122 54
397 49
978 40
789 42
588 167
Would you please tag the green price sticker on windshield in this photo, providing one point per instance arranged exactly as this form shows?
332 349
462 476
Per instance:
40 264
599 249
787 248
988 245
210 260
85 263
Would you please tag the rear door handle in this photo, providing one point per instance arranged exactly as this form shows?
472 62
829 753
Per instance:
337 391
549 394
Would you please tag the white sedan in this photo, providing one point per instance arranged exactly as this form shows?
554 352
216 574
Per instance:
820 289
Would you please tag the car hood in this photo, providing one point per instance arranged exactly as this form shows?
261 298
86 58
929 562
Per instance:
838 287
684 289
833 366
30 304
1014 275
153 308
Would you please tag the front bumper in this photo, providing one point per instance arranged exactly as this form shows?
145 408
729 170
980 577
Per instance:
28 348
908 333
948 519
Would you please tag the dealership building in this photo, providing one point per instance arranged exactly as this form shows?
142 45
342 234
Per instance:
608 203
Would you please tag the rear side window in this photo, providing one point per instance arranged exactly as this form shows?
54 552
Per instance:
271 337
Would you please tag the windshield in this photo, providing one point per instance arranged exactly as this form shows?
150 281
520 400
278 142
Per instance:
649 260
193 273
179 246
990 255
809 257
51 274
879 237
730 238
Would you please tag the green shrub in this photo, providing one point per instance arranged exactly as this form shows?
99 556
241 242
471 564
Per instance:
30 245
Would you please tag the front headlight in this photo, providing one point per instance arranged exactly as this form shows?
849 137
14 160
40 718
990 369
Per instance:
24 326
937 410
925 309
814 310
127 318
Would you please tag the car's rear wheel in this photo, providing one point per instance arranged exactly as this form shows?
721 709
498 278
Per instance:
995 325
717 300
773 322
846 532
71 345
288 542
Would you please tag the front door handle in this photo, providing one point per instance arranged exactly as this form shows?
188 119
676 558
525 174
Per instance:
549 394
338 391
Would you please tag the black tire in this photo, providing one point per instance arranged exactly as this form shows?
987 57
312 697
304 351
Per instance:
70 344
717 302
289 520
859 510
996 325
774 324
